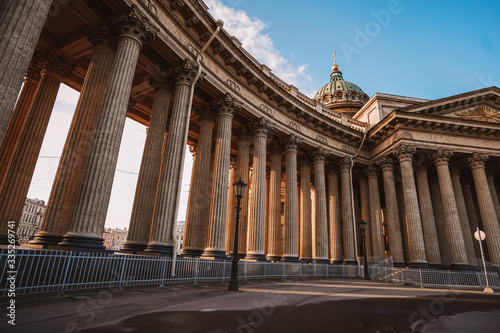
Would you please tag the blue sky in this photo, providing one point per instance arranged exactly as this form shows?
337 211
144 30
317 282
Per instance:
427 49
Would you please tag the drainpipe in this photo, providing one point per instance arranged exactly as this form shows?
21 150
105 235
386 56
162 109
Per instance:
219 24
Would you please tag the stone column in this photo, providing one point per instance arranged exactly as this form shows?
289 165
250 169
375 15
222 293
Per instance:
291 232
257 208
365 213
19 172
274 211
97 180
306 246
215 232
428 221
375 216
320 245
471 213
392 212
145 193
462 214
486 206
61 204
199 194
491 185
161 238
21 22
231 204
19 116
347 213
335 226
438 210
458 252
416 244
243 142
402 219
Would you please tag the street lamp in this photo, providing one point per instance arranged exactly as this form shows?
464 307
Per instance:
239 188
363 226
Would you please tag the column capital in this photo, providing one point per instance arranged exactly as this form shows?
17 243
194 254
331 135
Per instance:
292 142
345 163
55 63
206 114
232 162
331 168
261 127
441 156
192 150
184 73
137 26
33 73
226 105
304 161
386 163
404 152
162 84
103 36
276 148
422 168
319 155
371 171
243 135
477 160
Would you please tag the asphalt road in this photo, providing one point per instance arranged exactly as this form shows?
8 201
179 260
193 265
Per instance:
287 306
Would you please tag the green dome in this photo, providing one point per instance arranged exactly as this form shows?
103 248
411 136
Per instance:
342 95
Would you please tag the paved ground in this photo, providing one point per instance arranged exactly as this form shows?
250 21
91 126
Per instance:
285 306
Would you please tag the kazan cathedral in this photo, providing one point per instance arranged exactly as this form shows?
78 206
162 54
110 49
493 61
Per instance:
422 174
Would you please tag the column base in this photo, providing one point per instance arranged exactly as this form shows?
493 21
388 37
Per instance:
306 260
290 259
271 257
191 252
133 247
336 262
419 265
350 262
45 239
240 255
82 242
461 267
399 264
437 266
321 261
255 256
166 250
214 254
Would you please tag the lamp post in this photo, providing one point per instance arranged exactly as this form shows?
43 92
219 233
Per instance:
363 226
239 188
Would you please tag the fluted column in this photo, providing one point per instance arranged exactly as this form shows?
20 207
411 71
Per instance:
491 185
216 228
306 246
257 207
291 232
97 180
16 182
320 245
486 206
364 194
61 204
274 229
145 193
458 253
428 221
243 142
438 209
199 195
21 22
231 204
347 212
471 212
462 214
416 244
375 216
335 226
392 212
19 116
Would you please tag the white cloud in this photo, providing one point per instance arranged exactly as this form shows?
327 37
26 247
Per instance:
250 31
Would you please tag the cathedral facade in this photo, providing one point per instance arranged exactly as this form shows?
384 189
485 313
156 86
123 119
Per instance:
421 173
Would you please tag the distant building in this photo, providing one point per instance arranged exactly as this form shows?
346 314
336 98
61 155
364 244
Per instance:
114 238
31 220
180 234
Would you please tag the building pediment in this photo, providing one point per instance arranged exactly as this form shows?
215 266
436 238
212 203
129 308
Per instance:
483 113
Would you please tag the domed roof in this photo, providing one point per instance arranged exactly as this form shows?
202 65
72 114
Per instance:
341 95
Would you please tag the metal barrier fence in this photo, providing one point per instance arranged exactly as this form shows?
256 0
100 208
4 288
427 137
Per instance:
48 271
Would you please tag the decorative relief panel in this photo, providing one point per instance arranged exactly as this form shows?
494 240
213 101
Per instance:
233 85
266 109
347 149
295 126
482 113
322 139
403 135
